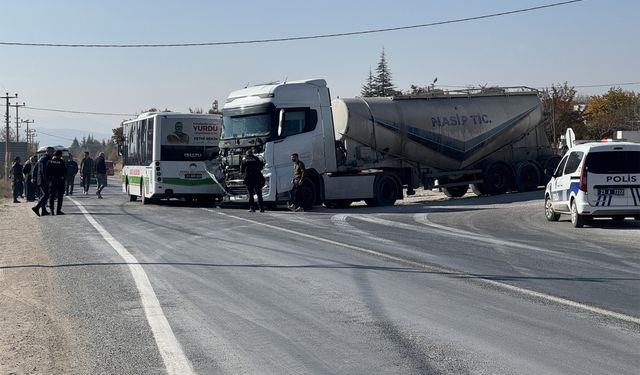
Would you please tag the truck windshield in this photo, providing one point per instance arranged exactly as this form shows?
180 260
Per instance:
613 162
247 126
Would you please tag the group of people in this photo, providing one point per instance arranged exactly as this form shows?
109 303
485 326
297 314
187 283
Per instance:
50 178
251 168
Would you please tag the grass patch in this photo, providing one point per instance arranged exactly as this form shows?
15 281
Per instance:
5 189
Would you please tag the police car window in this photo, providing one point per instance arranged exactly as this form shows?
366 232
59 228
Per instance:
613 162
560 167
573 162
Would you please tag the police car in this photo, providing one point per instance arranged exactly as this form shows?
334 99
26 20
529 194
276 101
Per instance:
595 180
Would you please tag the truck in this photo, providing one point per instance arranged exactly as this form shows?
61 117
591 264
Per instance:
373 149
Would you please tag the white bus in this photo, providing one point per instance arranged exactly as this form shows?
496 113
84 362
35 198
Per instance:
164 154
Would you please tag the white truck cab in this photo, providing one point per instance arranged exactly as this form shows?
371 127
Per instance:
595 180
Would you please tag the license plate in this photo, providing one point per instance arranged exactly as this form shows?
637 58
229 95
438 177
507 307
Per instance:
610 191
193 175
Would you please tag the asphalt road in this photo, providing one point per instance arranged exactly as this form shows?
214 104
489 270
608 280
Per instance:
473 285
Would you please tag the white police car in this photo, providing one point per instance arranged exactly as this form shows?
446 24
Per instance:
595 180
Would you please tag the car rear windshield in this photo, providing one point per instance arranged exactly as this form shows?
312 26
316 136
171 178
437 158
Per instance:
613 162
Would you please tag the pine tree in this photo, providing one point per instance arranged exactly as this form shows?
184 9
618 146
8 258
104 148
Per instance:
383 84
368 89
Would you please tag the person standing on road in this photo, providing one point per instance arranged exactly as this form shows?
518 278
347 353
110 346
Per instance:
29 184
41 182
251 168
56 176
86 169
17 179
295 203
72 171
101 174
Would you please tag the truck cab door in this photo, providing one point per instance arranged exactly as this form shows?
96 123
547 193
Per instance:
297 133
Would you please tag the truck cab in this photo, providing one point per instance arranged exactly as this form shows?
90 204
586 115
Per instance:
277 120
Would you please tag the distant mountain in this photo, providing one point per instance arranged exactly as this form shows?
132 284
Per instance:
64 137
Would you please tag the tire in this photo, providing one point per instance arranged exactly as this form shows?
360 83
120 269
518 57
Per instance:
455 191
576 219
527 176
132 198
478 189
143 198
549 213
385 191
341 203
497 179
308 194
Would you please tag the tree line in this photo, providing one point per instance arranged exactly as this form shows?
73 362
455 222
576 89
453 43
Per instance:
591 117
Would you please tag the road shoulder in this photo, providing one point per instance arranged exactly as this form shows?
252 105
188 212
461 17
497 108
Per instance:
36 337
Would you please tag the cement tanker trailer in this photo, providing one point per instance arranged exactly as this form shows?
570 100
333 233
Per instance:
371 148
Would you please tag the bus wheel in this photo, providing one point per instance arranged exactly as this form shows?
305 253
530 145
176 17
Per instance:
132 198
143 198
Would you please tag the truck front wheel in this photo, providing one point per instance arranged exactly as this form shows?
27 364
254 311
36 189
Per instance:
308 194
385 191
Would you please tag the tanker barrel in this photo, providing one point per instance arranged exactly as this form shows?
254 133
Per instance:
446 132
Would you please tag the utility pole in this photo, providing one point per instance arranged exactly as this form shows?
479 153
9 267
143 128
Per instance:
17 120
27 131
6 139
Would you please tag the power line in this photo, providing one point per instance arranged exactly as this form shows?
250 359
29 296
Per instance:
295 38
80 112
53 135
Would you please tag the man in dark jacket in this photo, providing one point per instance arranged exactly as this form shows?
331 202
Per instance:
251 167
29 180
56 176
296 203
41 182
17 179
86 169
101 174
72 171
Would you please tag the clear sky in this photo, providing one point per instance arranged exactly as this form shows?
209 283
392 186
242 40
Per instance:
587 43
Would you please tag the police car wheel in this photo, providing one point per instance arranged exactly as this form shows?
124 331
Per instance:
549 213
576 219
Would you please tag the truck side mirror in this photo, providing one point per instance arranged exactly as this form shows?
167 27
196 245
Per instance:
280 121
120 150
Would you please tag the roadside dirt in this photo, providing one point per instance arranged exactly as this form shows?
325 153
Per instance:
35 338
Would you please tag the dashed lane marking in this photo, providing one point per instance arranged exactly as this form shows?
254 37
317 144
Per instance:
496 284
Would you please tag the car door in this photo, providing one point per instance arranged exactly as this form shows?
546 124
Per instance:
558 186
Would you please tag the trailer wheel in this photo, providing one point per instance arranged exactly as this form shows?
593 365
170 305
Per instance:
527 176
455 191
497 179
385 191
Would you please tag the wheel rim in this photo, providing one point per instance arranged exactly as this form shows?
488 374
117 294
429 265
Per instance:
547 208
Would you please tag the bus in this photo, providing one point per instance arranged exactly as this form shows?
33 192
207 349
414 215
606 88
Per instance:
164 154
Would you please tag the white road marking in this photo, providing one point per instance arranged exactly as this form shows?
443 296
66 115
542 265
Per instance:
175 361
493 283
